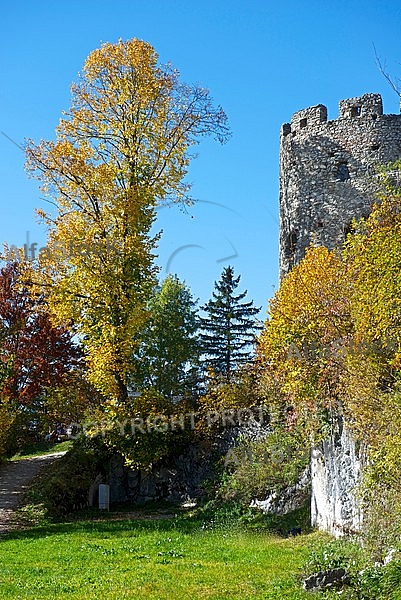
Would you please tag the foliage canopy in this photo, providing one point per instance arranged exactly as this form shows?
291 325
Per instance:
121 149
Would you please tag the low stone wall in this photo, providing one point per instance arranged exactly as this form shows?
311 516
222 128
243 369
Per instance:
178 478
332 479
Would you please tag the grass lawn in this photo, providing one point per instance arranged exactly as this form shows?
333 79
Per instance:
161 559
40 448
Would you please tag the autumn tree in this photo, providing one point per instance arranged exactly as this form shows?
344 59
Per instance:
302 348
35 355
228 329
373 254
122 149
168 357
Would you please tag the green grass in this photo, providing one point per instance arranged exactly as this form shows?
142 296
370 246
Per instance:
159 559
41 448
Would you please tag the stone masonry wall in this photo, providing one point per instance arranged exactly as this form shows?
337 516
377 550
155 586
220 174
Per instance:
328 171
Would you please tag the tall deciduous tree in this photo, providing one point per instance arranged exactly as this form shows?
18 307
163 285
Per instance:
168 357
122 149
228 329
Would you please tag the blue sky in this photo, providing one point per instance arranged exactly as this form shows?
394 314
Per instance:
261 61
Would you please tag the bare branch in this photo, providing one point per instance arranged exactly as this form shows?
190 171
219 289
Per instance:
394 83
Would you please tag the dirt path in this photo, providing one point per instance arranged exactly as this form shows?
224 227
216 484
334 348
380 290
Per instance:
14 479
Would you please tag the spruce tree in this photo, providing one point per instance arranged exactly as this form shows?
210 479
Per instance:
229 327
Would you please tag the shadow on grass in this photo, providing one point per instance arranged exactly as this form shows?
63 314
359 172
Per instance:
164 517
125 517
103 525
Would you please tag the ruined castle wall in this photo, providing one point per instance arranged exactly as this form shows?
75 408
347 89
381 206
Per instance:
328 171
328 177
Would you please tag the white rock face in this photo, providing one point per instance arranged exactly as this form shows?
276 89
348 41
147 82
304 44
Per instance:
292 498
336 468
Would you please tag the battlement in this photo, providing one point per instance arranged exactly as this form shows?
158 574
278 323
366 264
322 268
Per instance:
366 106
327 171
369 105
309 116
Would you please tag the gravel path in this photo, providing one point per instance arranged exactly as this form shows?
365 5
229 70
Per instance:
14 479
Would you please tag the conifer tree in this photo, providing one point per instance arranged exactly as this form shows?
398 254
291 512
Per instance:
229 327
167 360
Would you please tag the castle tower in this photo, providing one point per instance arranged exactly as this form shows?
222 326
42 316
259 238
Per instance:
327 171
328 176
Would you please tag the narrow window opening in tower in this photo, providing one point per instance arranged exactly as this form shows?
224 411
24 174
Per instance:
356 111
291 243
303 123
343 172
347 229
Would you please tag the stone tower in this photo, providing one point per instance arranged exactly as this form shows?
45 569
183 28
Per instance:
328 169
328 177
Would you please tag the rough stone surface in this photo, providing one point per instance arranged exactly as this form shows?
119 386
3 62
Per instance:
175 479
328 171
93 494
336 466
179 478
290 499
323 580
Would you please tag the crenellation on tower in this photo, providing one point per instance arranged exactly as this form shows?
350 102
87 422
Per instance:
308 117
327 171
369 105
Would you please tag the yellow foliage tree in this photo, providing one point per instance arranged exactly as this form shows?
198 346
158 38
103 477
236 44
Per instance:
373 254
122 149
302 347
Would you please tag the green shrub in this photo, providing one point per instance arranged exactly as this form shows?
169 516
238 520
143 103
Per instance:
335 554
65 486
228 515
367 580
381 504
255 469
